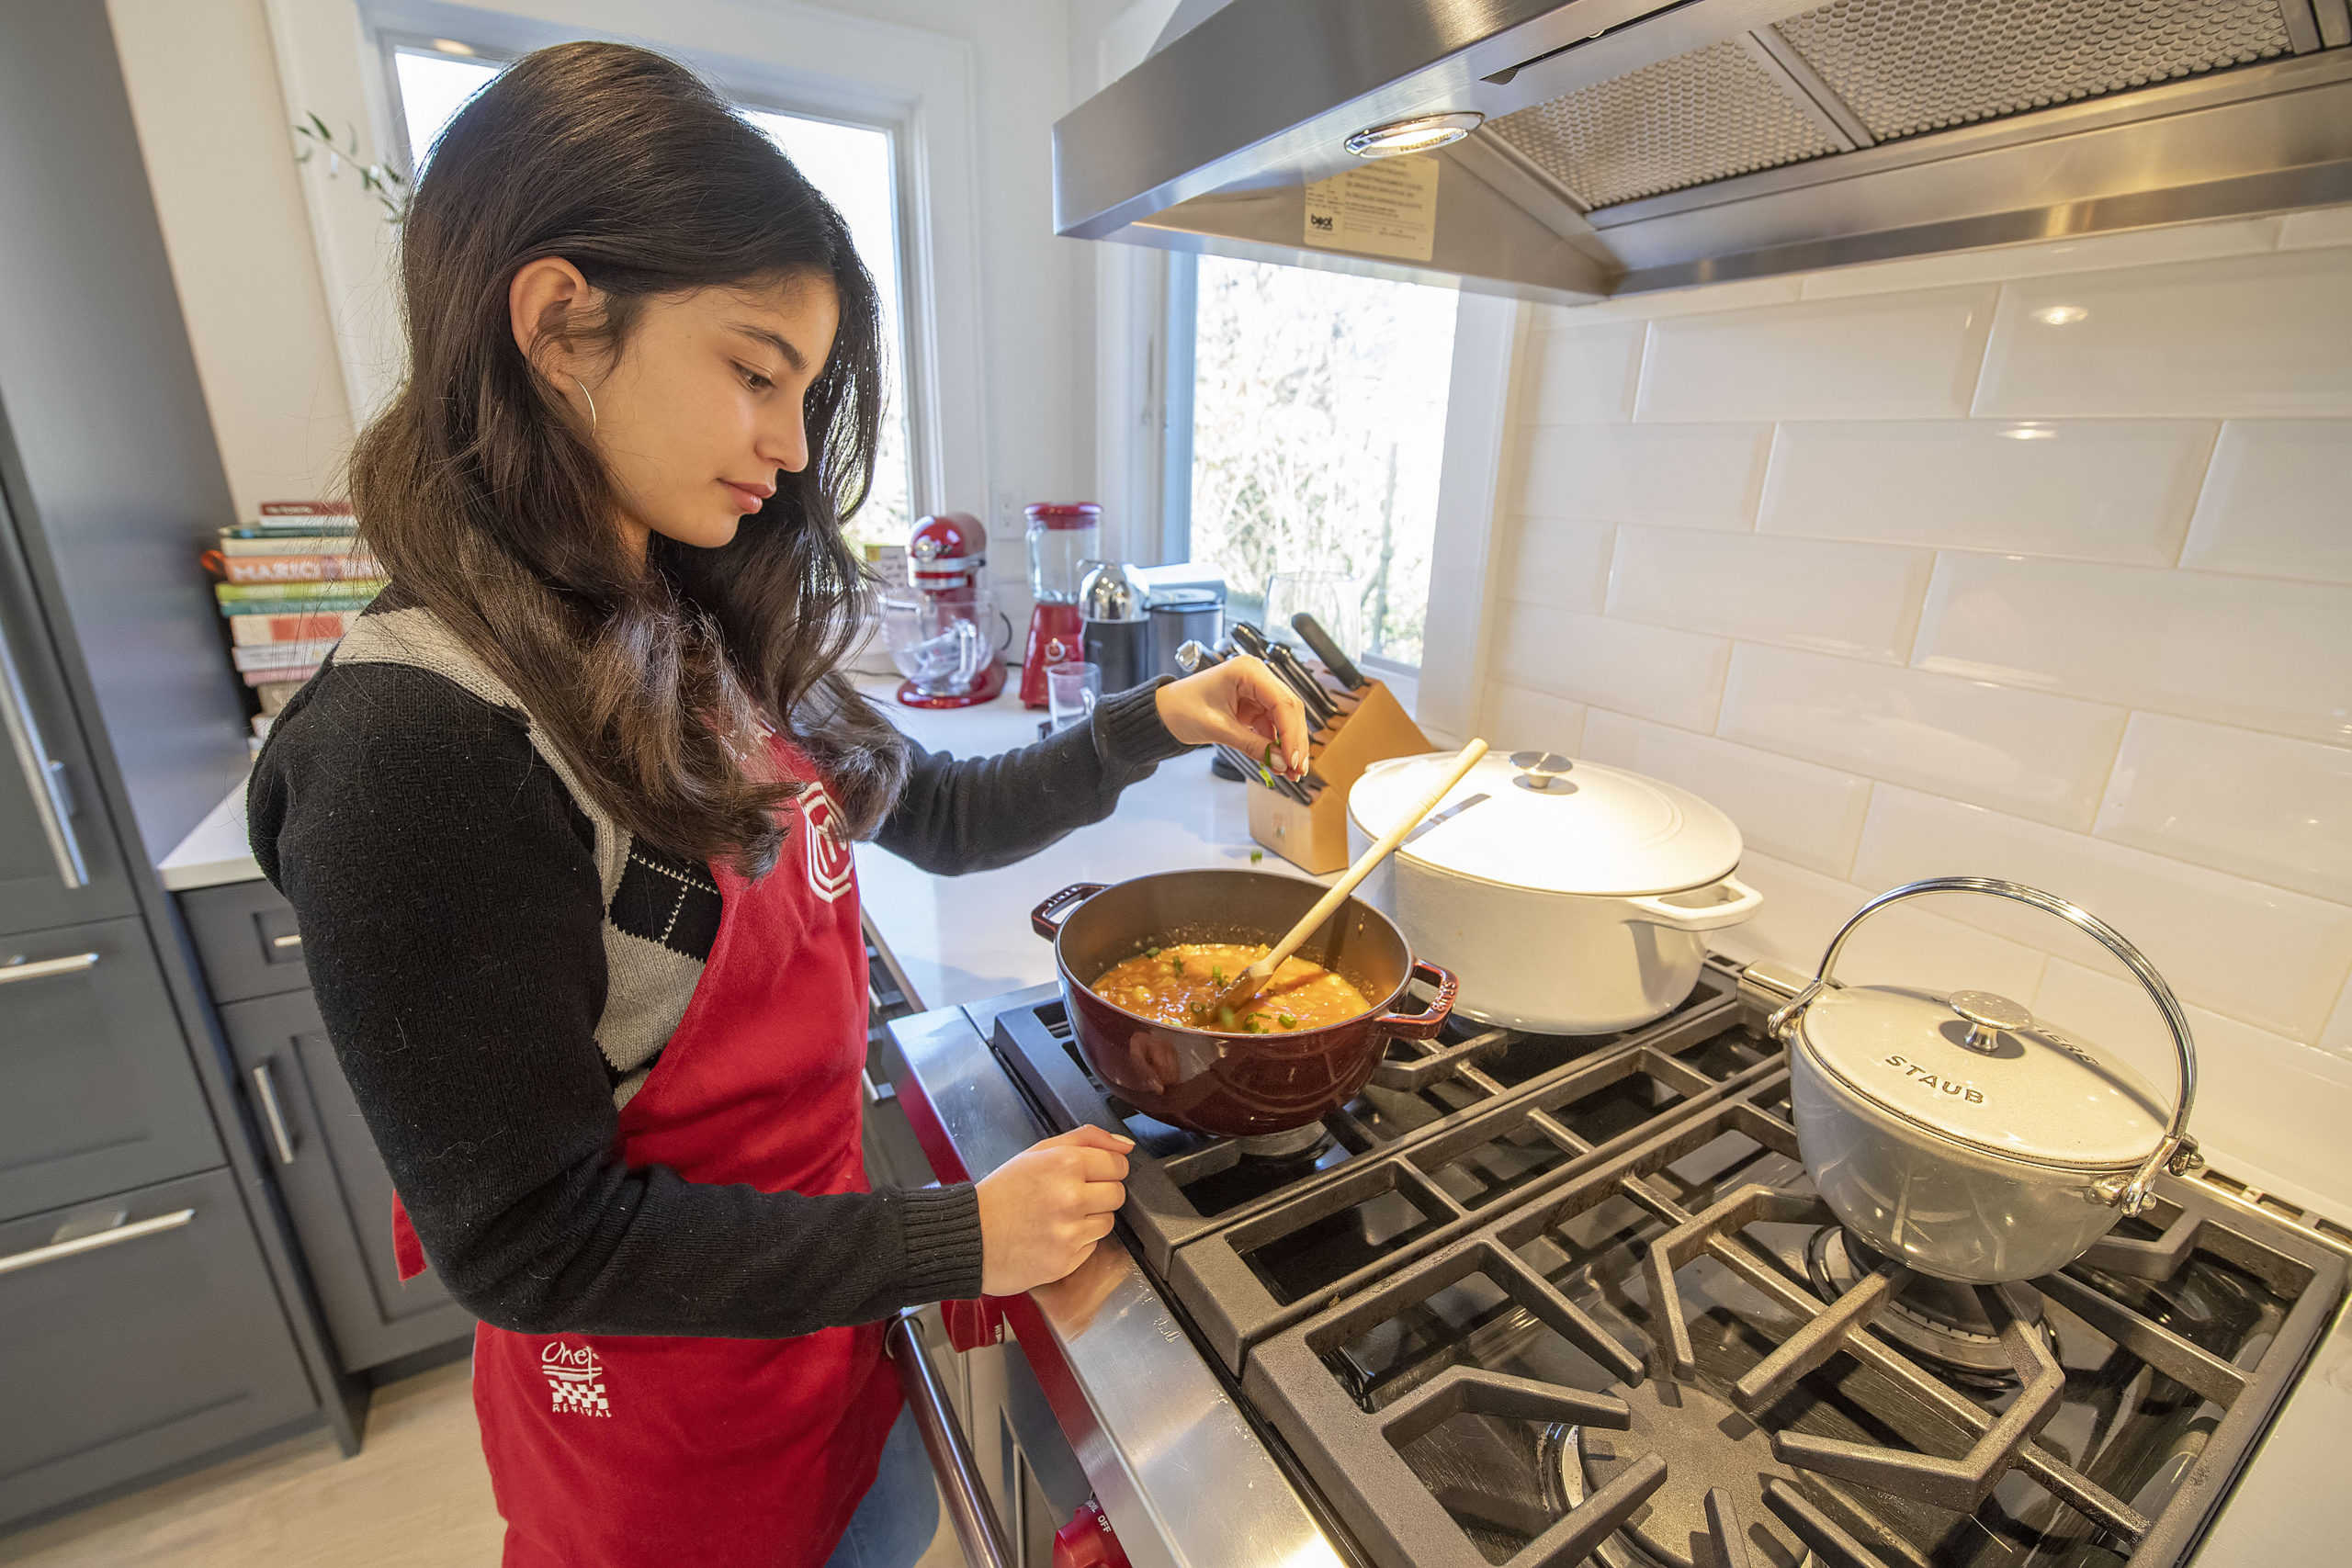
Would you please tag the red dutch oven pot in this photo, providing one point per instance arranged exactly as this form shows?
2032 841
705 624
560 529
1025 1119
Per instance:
1232 1085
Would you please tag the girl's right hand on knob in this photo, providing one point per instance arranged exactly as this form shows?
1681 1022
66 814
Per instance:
1042 1210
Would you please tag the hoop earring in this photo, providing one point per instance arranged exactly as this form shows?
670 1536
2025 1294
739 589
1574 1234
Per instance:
591 403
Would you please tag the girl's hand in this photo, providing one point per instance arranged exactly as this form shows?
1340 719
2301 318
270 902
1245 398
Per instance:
1243 704
1042 1210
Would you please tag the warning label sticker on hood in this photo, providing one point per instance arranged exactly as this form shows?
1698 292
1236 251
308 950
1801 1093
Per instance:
1385 208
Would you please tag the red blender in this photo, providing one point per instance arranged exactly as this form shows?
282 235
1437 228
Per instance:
944 634
1062 536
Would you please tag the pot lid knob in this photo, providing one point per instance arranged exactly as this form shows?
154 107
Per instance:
1540 769
1987 1015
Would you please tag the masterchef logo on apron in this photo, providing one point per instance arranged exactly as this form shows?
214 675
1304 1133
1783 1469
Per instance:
830 868
575 1379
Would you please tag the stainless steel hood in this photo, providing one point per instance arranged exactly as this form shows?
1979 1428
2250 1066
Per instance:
1626 145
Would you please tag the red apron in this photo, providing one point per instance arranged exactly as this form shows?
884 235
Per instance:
623 1452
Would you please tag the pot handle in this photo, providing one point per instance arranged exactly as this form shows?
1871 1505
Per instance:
1046 920
1745 901
1423 1025
2175 1151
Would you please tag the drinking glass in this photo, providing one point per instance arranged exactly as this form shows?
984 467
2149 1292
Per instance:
1071 693
1335 600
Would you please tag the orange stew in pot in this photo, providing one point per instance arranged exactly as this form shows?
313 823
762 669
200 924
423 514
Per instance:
1181 983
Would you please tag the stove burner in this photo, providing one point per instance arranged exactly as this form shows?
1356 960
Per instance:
1939 1320
1717 1464
1289 1144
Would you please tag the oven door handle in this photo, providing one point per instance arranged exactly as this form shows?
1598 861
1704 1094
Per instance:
968 1508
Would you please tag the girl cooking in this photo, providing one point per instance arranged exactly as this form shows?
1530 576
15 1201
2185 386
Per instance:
566 823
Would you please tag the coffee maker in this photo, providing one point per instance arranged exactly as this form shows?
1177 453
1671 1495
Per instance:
942 634
1062 539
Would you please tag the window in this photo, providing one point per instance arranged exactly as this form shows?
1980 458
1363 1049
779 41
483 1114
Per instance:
853 166
1317 429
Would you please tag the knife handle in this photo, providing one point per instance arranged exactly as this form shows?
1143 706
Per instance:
1343 668
1320 709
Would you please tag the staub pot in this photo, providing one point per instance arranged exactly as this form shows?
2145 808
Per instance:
1960 1135
1233 1085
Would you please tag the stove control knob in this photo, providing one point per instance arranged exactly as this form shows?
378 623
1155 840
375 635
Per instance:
974 1323
1087 1540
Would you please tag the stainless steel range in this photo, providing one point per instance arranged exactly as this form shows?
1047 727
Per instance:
1536 1300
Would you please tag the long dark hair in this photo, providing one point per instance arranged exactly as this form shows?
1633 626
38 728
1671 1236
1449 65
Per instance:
488 508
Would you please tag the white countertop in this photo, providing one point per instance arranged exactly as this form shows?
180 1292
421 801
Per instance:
958 939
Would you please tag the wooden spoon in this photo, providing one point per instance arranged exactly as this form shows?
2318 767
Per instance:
1252 980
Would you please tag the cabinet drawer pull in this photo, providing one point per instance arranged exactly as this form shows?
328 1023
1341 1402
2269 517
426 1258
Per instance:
12 973
293 939
267 1090
82 1244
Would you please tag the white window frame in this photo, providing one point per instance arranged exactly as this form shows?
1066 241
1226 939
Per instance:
917 85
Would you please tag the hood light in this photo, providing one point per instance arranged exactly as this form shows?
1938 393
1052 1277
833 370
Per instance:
2062 315
1420 135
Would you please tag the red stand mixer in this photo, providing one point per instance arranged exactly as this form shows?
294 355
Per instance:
942 635
1062 538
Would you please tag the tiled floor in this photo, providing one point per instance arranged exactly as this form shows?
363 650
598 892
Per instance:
416 1496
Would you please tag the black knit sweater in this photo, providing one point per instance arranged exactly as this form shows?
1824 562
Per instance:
446 884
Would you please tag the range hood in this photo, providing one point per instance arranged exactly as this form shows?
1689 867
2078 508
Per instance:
1619 146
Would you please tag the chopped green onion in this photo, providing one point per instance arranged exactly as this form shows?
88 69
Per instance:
1216 972
1175 964
1286 1020
1257 855
1151 952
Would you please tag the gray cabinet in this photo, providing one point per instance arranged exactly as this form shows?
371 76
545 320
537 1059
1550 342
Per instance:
155 1340
245 935
333 1185
96 1091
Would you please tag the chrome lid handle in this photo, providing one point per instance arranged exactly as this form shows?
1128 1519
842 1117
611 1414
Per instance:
2175 1150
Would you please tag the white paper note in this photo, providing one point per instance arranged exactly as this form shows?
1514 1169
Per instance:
1385 208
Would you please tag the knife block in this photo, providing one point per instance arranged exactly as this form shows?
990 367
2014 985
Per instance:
1313 837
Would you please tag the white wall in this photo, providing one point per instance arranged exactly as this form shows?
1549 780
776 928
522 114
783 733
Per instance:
2035 564
204 94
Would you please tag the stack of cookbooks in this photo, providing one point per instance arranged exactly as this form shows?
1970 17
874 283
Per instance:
294 578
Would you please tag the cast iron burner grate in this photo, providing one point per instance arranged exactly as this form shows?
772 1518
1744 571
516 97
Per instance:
1633 1363
1184 1185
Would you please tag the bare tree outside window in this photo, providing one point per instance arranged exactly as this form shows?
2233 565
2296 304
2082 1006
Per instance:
1318 423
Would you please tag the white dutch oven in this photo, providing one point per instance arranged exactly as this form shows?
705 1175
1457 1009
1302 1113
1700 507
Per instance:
1570 898
1961 1136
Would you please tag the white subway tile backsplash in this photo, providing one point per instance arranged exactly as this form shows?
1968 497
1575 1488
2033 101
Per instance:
2322 226
2262 806
2277 502
2038 756
1559 561
2134 247
2093 489
1675 677
1795 810
1887 356
1905 944
1861 600
1517 719
2267 1110
1586 374
2247 651
2246 336
1704 476
2270 958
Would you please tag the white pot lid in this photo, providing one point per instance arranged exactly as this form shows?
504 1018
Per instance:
2022 1090
1537 820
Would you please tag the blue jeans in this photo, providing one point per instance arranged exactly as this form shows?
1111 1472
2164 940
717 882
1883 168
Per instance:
895 1523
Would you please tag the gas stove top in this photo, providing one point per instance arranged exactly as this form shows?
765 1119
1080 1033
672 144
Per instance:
1532 1300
